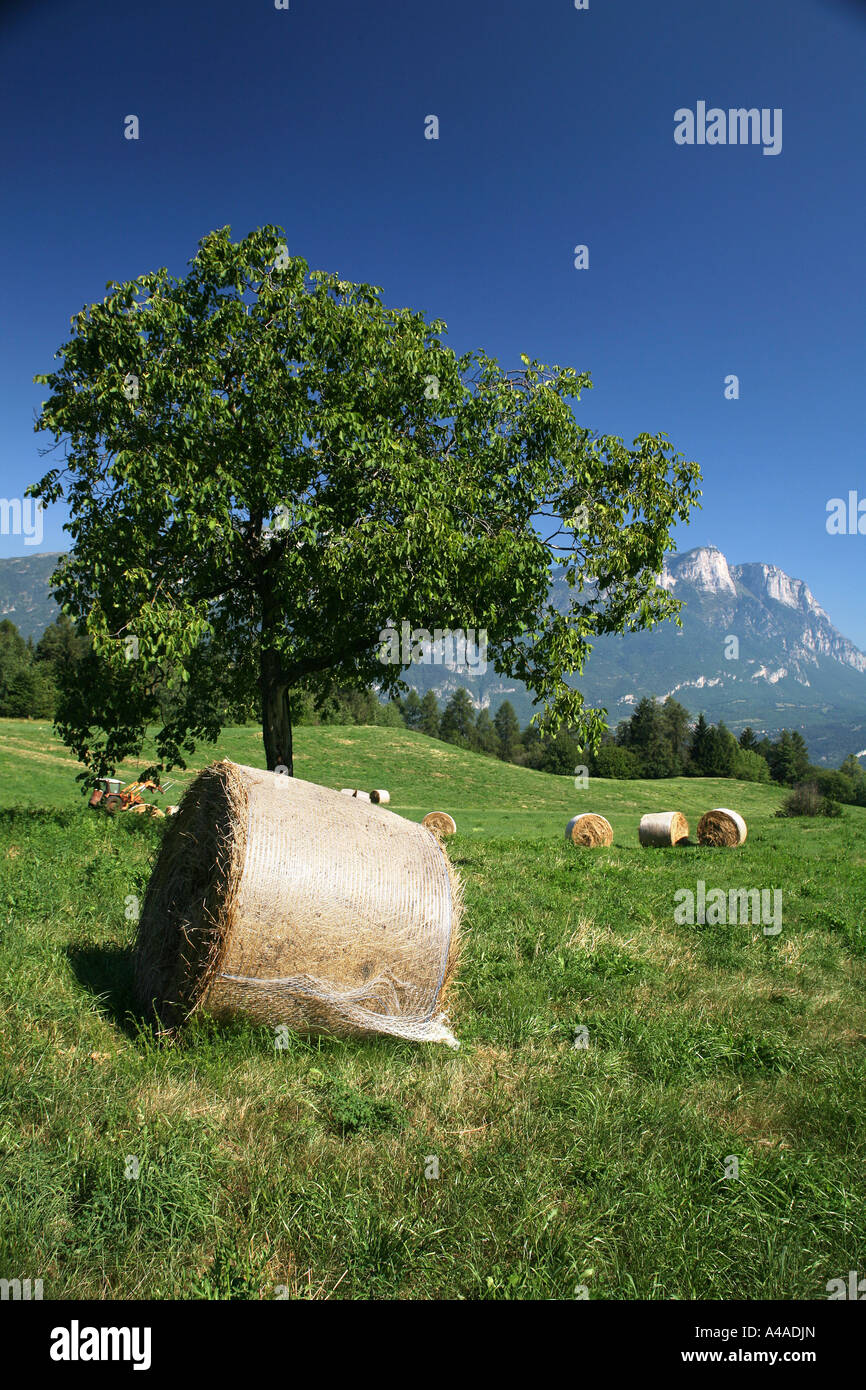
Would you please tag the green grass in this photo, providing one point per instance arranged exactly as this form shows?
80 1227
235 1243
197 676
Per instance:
301 1171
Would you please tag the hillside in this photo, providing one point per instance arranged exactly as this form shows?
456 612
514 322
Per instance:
486 797
611 1062
24 596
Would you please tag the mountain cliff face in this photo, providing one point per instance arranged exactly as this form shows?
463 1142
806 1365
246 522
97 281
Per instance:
755 648
24 596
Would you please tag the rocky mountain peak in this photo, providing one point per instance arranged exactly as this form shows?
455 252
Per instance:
705 568
768 581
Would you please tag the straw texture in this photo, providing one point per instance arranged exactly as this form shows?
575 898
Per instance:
590 831
286 902
440 823
722 829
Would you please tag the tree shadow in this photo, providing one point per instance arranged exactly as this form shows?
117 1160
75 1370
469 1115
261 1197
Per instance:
106 972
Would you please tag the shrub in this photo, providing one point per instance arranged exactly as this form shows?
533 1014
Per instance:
806 800
750 766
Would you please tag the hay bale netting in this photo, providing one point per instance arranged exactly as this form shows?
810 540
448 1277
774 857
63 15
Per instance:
440 823
663 828
723 829
380 797
274 899
589 830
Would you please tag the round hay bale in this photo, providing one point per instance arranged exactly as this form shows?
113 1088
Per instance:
274 899
361 796
722 829
664 828
440 823
348 791
380 797
589 830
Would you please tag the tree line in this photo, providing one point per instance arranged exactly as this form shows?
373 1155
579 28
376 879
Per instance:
657 740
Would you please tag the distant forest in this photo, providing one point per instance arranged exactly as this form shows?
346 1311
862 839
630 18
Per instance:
659 740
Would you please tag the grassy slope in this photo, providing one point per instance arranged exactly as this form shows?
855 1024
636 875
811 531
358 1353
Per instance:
485 796
558 1166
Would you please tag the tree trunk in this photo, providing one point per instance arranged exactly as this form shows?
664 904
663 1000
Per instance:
276 714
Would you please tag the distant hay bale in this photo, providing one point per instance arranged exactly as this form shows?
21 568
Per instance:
347 791
440 823
663 828
273 899
589 830
722 829
380 797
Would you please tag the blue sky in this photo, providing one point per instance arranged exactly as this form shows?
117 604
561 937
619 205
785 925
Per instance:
556 129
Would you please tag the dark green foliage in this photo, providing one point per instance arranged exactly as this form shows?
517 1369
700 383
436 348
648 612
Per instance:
352 1110
253 459
806 800
428 718
458 720
508 731
486 737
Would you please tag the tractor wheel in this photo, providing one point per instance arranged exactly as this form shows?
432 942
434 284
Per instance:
112 802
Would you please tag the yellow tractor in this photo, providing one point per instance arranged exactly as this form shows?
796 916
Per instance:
112 796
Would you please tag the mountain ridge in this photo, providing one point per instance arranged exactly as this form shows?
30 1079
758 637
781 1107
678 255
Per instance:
791 667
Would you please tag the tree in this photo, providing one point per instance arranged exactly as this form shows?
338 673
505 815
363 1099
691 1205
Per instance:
699 749
798 760
677 734
458 720
508 730
411 709
788 757
561 755
749 766
272 466
533 747
486 737
748 740
648 736
430 719
721 750
611 760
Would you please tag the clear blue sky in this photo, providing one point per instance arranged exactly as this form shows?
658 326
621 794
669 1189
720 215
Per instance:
556 128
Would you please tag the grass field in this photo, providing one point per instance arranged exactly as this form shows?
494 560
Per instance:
308 1172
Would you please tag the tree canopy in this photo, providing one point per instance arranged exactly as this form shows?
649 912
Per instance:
266 467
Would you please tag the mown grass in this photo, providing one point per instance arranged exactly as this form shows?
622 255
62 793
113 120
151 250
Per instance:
308 1171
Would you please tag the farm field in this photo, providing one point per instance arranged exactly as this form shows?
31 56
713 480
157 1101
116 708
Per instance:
563 1171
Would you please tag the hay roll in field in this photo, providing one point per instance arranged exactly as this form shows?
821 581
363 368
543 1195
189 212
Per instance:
274 899
722 829
663 828
440 823
380 797
589 830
